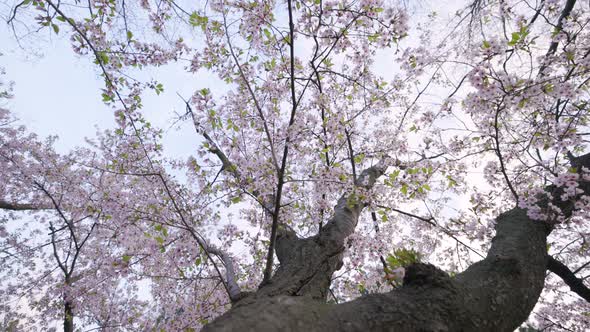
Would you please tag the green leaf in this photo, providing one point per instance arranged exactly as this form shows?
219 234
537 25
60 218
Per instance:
452 182
412 61
404 189
126 258
102 57
197 20
403 258
106 98
351 200
359 158
55 28
515 38
548 88
362 289
129 35
159 88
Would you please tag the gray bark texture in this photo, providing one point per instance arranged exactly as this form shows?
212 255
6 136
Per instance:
495 294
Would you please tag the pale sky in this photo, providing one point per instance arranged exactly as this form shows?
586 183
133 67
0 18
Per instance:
58 93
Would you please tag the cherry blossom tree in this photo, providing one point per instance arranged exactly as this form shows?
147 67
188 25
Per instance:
363 166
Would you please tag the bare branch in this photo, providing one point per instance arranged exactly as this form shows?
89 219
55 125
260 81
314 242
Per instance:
227 165
576 284
5 205
281 171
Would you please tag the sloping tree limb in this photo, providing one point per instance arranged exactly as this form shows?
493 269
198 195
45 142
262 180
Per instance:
226 164
232 285
576 284
566 11
5 205
432 222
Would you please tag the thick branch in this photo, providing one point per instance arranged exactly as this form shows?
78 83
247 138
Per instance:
567 9
349 207
5 205
227 165
232 285
283 168
307 264
495 294
576 284
502 289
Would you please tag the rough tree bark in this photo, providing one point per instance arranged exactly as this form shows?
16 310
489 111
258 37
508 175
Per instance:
68 317
495 294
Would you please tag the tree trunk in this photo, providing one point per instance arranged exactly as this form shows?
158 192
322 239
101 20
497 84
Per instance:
68 307
495 294
68 317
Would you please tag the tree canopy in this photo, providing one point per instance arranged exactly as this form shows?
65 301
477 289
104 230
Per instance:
355 159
